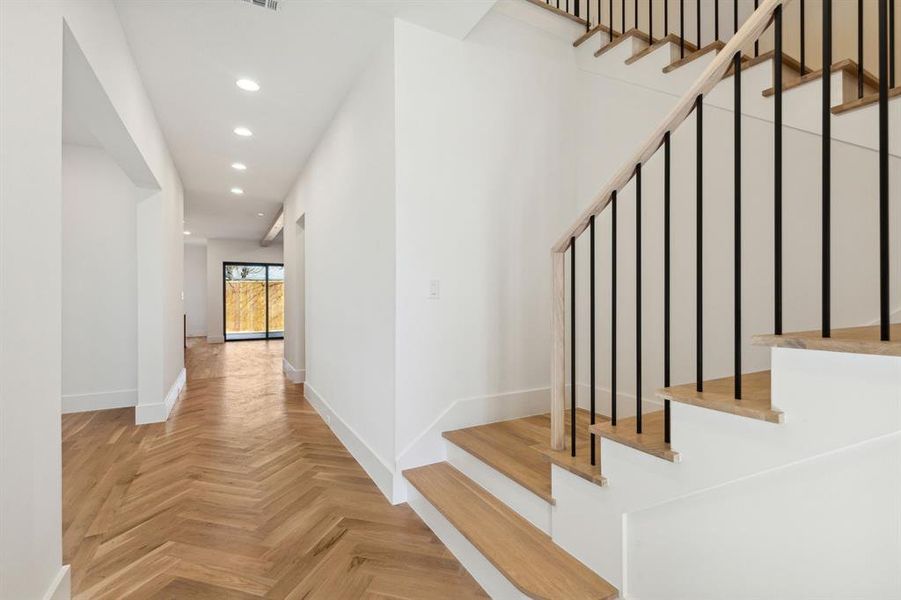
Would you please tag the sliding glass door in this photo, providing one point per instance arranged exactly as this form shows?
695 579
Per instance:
253 300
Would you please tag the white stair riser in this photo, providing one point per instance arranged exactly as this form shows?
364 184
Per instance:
530 506
491 580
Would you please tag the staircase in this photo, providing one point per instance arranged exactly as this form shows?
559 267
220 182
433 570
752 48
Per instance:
621 491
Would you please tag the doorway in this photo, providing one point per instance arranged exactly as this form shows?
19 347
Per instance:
253 301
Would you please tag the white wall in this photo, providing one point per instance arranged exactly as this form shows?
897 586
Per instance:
31 47
295 301
195 289
219 251
99 282
345 194
483 189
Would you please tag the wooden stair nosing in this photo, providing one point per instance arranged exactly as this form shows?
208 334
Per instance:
527 557
632 33
650 441
847 65
865 101
749 62
668 39
853 340
564 460
711 47
560 12
719 395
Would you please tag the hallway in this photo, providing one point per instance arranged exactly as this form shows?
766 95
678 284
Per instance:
243 493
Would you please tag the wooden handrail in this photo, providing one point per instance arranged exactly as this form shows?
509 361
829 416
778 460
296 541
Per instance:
748 33
752 28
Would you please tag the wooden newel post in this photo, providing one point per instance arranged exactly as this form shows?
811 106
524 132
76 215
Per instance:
558 352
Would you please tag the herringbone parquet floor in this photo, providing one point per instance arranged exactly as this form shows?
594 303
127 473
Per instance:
243 493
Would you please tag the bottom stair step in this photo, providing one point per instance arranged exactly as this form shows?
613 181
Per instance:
527 557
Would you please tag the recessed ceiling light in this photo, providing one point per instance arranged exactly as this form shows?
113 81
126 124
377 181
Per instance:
239 166
186 232
243 132
260 214
248 85
237 191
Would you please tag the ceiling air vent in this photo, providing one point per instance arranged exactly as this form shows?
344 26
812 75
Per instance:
270 4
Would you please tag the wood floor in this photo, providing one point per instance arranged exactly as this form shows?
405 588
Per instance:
243 493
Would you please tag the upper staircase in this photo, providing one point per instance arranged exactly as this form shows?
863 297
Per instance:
530 530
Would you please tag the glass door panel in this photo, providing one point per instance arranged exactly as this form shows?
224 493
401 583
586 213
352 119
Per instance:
245 301
276 299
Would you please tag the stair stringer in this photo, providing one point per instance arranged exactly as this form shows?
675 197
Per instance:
832 401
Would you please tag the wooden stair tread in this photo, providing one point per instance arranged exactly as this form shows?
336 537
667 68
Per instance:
526 556
560 12
590 33
580 464
711 47
632 33
719 394
650 440
849 66
854 340
520 450
507 449
865 101
669 39
787 62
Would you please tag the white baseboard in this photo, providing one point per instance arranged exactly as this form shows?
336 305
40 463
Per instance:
625 404
295 375
428 447
61 586
159 412
379 471
215 339
74 403
492 581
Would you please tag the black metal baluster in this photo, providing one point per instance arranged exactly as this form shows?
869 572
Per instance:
734 17
638 298
572 353
665 18
699 246
803 26
698 19
576 7
860 48
716 20
636 14
613 309
737 220
651 20
623 16
666 283
591 327
610 7
777 173
827 169
681 28
884 292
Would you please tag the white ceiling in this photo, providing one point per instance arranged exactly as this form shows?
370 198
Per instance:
305 57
